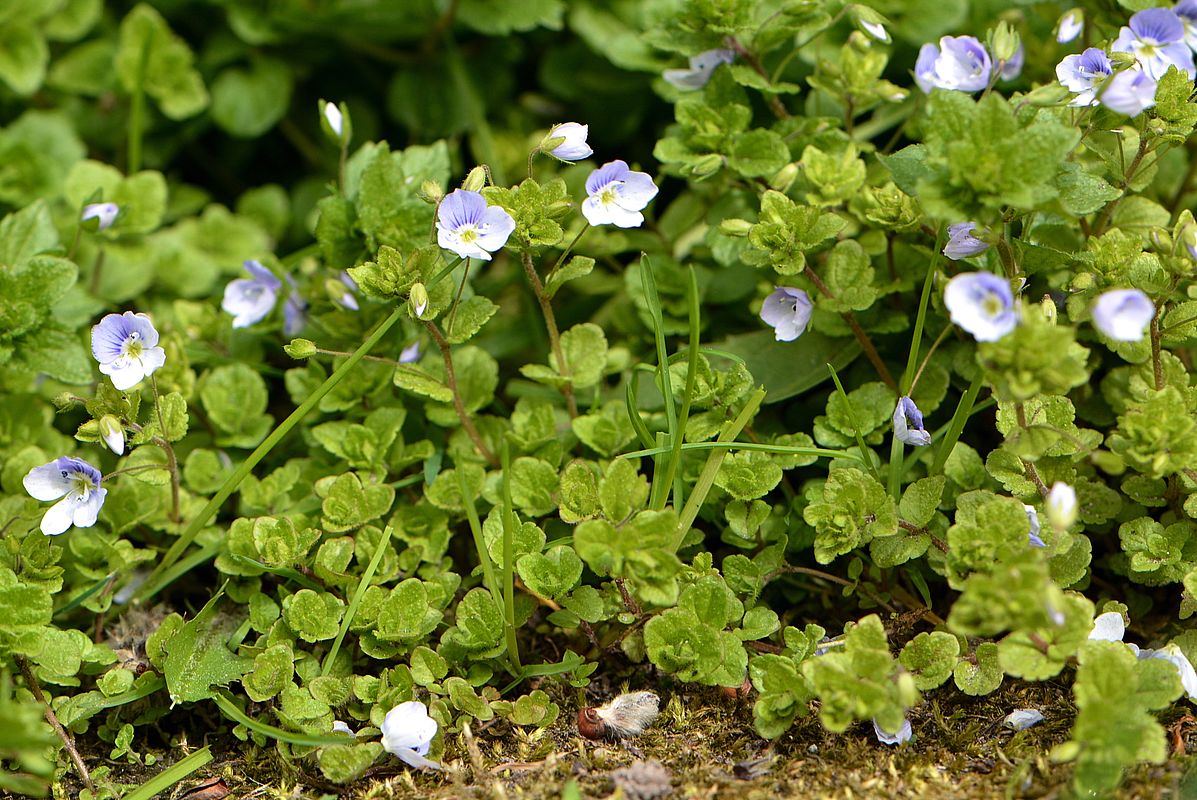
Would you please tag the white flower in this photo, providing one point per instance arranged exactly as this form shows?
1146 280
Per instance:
1156 38
1123 314
574 148
112 433
467 226
902 735
340 726
787 311
77 483
617 195
126 347
410 354
1130 92
1070 26
701 68
982 304
408 731
1108 627
332 115
1061 505
105 213
1172 653
1022 718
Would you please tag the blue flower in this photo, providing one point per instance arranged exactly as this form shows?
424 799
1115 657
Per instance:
104 213
574 148
1187 11
77 483
1084 74
1130 92
1013 68
467 226
410 354
126 347
908 423
347 298
982 304
1033 518
902 735
962 243
960 63
1155 37
250 300
617 195
701 68
1070 25
1123 314
295 310
787 311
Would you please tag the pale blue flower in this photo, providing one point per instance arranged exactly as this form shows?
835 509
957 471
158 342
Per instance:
982 304
408 731
787 311
347 299
574 148
1084 74
1187 11
295 310
249 300
1156 38
1033 518
104 213
467 226
1013 68
962 243
902 735
126 347
908 423
1022 718
410 354
1130 92
617 195
1123 314
76 486
701 68
1108 627
1070 26
960 63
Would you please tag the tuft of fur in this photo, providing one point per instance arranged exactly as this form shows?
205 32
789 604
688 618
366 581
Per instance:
629 714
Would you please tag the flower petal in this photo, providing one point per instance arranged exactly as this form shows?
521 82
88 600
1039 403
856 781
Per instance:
47 482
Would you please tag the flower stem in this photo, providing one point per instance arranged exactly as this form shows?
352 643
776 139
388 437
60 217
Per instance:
451 382
550 322
509 523
1157 366
68 741
155 582
865 342
1104 220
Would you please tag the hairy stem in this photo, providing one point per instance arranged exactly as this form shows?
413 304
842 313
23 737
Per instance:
1157 366
68 741
550 322
458 405
865 342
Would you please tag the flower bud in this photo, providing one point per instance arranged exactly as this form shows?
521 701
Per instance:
1070 25
1061 506
475 180
1048 306
1003 42
706 165
418 300
112 433
735 227
431 192
300 348
870 22
334 121
784 178
104 214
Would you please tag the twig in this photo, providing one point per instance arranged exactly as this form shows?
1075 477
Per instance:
550 322
865 342
451 382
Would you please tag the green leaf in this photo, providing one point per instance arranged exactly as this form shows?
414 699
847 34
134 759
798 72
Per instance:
407 614
314 616
920 500
197 658
234 398
758 153
472 314
152 57
247 103
576 267
980 675
931 657
853 510
23 56
272 671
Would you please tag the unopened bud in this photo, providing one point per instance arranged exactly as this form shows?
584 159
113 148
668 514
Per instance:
431 192
475 180
418 300
1048 306
871 22
112 433
706 165
1003 42
334 121
784 178
735 227
300 348
100 216
1061 506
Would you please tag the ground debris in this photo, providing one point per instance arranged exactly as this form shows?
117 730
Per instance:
644 780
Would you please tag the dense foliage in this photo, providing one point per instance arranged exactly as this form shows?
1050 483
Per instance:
853 364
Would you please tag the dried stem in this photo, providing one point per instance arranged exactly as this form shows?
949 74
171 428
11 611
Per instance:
865 342
68 741
451 382
550 322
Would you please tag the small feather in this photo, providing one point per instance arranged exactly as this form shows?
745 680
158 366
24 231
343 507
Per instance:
629 714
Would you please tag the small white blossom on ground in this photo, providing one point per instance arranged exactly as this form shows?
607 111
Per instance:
1123 314
1172 653
112 434
249 300
902 735
701 68
76 486
408 731
410 354
340 727
1022 718
104 213
617 195
982 304
126 347
574 148
1108 627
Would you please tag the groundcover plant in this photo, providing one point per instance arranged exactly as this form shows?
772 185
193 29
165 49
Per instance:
376 372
